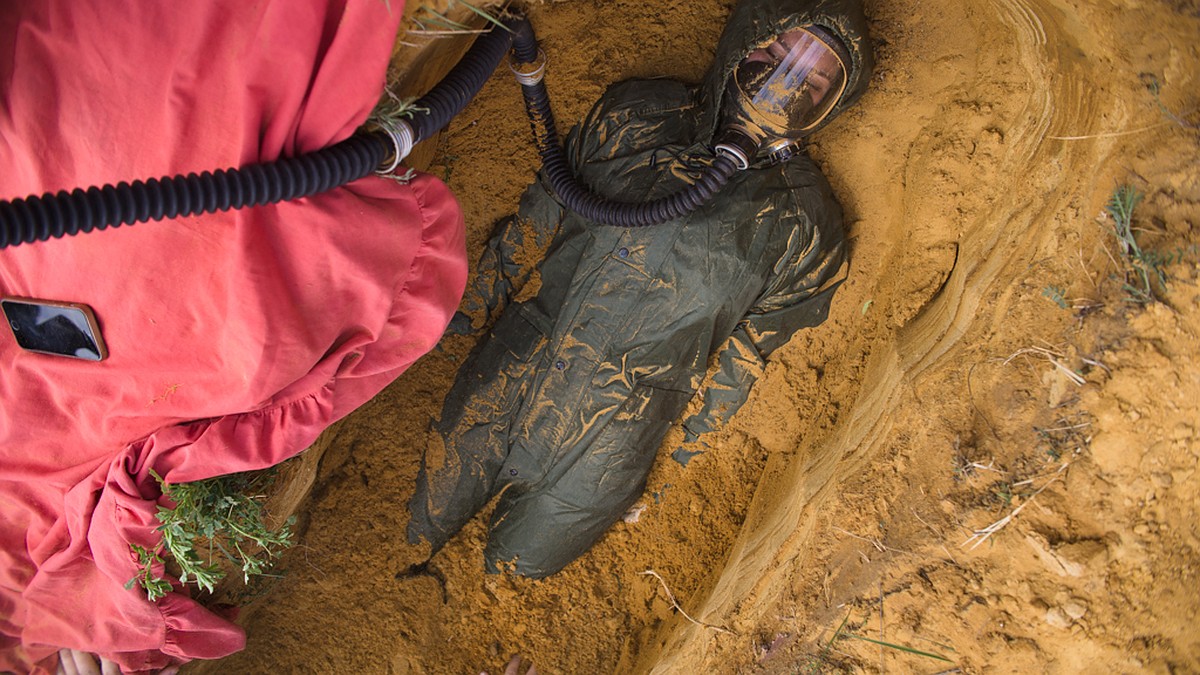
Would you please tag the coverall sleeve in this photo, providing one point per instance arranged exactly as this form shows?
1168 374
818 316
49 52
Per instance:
508 261
797 295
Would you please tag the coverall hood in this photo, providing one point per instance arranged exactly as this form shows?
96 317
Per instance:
757 23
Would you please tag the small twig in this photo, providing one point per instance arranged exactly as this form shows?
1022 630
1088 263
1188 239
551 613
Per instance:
880 547
1084 268
926 524
984 467
1030 481
1068 427
982 535
1108 134
1093 362
680 609
949 555
1052 357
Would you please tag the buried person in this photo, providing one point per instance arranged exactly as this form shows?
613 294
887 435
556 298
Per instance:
562 407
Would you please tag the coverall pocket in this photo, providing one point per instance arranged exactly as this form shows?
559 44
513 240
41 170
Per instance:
518 331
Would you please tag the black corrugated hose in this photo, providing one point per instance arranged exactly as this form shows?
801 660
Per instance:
577 197
54 215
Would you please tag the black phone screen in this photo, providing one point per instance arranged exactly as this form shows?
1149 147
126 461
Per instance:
61 329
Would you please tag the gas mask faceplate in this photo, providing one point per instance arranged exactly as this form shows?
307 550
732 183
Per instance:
781 91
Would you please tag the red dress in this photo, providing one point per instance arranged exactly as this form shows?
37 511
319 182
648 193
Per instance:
234 338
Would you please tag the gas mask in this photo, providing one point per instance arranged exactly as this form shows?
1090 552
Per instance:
780 92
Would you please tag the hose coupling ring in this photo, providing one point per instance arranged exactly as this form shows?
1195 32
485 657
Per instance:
735 153
529 74
401 134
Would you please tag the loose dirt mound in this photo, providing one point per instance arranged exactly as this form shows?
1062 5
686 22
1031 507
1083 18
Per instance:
988 453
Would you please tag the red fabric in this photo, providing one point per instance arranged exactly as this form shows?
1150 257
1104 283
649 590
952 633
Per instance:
234 339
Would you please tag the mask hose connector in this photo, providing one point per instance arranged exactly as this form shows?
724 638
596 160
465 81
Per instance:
734 152
531 73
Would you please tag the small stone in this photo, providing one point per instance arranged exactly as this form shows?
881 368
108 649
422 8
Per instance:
1162 479
1075 608
634 514
1056 617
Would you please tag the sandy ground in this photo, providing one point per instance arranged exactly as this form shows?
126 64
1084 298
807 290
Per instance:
988 453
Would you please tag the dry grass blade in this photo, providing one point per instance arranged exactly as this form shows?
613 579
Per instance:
1051 356
437 24
900 648
984 534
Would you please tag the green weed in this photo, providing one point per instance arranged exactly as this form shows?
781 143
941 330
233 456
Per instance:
821 663
1155 89
1057 295
393 107
484 14
154 585
1146 269
429 21
1003 493
218 515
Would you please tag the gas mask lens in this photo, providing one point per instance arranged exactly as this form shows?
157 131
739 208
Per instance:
794 81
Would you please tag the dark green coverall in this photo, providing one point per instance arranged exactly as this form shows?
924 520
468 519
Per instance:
563 405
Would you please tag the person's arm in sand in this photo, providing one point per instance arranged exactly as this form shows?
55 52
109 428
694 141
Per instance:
509 259
798 297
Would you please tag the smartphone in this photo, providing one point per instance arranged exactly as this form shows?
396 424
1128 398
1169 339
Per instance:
57 328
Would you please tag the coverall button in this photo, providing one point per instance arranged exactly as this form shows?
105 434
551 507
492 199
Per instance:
560 365
623 252
513 472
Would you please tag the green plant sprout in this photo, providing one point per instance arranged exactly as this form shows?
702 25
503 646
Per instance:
483 14
221 514
1155 88
1120 206
1149 266
154 585
393 107
818 665
1057 295
433 22
899 648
